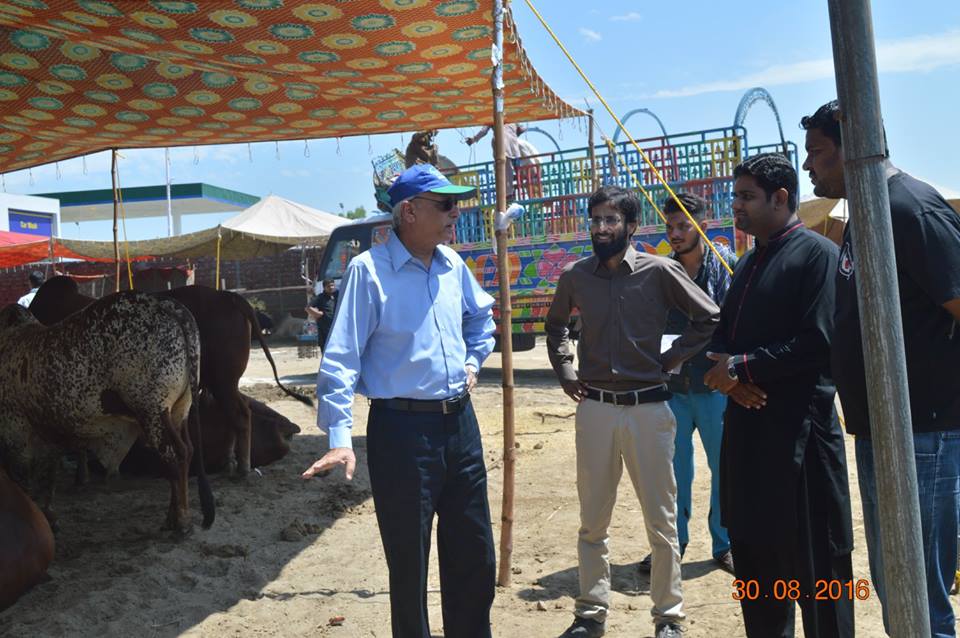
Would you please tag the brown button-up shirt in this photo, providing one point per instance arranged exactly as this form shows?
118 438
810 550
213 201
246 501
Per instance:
623 315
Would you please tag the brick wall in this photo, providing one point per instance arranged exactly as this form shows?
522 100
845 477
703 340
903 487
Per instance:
245 276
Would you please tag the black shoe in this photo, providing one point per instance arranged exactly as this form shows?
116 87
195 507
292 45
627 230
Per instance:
725 561
646 564
584 628
668 630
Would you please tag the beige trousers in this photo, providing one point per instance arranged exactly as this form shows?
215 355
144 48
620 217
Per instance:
642 438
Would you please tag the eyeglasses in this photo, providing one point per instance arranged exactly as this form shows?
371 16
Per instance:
609 221
445 205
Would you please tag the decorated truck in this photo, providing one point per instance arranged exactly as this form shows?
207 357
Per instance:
554 230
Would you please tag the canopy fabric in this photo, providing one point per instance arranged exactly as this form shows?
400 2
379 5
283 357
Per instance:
17 249
78 76
281 221
269 227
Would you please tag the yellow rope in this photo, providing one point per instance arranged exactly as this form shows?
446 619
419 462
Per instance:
123 223
630 137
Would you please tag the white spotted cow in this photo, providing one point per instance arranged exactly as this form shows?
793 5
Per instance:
125 367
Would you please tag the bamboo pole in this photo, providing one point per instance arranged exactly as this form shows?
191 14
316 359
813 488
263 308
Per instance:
216 278
506 312
116 241
864 152
594 182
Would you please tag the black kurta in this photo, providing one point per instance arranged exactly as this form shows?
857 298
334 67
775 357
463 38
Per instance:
777 319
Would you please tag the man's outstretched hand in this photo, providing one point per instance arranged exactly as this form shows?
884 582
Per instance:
337 456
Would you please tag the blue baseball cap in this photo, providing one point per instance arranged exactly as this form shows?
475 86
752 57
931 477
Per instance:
423 178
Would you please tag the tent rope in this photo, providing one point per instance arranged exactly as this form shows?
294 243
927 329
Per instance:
123 223
646 159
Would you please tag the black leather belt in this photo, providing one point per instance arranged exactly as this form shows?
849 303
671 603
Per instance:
441 406
630 397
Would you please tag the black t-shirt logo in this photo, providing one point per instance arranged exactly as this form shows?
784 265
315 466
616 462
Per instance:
845 265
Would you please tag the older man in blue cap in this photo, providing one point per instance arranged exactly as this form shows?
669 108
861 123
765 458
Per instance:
411 330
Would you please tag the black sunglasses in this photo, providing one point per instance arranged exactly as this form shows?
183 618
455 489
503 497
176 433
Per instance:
445 205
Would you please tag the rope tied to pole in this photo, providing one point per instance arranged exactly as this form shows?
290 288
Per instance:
646 158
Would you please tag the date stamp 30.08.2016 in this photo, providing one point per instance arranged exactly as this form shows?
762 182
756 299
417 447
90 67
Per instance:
824 589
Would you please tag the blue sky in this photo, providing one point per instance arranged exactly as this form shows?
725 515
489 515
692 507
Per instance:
689 62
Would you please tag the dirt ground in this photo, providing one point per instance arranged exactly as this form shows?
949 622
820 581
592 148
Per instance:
286 556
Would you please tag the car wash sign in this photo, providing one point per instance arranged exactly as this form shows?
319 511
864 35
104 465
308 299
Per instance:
30 223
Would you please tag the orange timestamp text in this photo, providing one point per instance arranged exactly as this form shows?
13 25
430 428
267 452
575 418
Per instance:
824 589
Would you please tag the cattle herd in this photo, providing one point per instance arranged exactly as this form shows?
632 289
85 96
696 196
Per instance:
134 382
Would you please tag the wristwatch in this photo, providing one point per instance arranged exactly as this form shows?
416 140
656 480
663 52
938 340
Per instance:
732 369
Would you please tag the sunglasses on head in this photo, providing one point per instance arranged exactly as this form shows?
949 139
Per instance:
445 205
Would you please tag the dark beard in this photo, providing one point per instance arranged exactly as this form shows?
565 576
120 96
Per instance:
606 251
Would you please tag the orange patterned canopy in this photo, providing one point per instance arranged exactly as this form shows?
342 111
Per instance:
78 76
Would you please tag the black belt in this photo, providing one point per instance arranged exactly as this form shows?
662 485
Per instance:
442 406
630 397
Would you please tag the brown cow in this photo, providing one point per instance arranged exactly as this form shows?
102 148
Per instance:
271 434
226 321
26 542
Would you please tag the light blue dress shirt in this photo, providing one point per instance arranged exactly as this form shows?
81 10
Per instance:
401 331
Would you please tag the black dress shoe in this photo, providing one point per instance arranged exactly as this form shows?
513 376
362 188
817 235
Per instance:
584 628
725 561
646 564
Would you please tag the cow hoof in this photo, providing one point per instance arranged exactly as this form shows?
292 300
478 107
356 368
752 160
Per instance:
178 531
181 533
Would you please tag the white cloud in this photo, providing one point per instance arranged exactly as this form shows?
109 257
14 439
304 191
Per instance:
590 35
633 16
921 53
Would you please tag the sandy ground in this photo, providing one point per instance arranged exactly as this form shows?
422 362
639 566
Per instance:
286 556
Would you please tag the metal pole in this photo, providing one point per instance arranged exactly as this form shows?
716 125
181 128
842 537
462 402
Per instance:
506 312
594 182
116 241
878 295
166 152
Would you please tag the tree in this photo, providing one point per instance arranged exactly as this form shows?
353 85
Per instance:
357 213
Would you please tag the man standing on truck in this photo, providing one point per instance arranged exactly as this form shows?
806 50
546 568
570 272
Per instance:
623 296
695 406
926 240
411 332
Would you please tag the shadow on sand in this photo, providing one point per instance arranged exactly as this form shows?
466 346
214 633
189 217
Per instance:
117 573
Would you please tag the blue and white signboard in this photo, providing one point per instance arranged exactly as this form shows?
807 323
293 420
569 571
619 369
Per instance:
30 223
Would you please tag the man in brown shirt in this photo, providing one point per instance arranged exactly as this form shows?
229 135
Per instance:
622 416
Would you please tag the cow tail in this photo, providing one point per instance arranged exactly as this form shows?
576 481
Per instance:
207 505
252 318
191 334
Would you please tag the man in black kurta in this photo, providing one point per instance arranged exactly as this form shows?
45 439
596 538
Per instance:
783 476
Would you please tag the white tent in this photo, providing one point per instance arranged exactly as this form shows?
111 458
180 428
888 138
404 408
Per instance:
274 218
269 227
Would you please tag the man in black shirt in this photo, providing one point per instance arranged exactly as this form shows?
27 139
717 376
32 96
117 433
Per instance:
926 237
322 308
783 477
